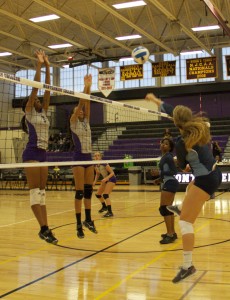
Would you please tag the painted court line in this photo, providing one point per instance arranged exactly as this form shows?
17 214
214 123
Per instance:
70 264
24 221
145 266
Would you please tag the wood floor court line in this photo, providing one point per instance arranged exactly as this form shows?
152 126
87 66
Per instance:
67 266
161 255
125 251
193 285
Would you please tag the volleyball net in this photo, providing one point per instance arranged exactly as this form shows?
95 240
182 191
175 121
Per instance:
121 131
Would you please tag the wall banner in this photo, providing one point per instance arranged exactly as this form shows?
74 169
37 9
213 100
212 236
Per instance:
131 72
198 68
228 65
164 68
106 80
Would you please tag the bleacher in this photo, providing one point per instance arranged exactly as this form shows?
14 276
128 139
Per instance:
137 148
141 140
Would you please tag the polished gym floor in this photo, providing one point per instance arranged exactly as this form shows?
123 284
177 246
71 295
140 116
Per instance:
123 261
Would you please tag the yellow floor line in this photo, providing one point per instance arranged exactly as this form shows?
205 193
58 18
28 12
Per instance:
145 266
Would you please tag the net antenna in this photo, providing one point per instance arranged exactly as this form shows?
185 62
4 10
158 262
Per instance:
114 109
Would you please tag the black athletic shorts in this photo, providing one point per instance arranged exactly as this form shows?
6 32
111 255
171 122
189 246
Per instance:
209 183
170 186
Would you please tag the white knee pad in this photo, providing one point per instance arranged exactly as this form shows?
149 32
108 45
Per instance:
35 196
186 227
43 197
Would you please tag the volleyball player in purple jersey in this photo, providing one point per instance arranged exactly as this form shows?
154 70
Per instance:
83 174
36 124
107 184
192 147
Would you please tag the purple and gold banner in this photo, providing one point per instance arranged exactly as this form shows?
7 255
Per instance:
131 72
198 68
228 65
164 68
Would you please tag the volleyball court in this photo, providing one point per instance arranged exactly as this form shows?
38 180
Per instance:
126 249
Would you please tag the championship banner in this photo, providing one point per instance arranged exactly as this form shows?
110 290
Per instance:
106 80
131 72
198 68
228 65
164 68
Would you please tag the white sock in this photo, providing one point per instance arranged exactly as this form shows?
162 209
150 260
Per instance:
187 259
179 206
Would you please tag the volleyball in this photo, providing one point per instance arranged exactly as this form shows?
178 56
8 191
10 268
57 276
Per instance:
140 54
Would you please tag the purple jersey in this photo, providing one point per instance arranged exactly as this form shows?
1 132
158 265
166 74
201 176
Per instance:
102 170
38 127
81 134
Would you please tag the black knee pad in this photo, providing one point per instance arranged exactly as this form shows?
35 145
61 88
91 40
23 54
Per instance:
88 190
79 195
105 196
164 212
98 196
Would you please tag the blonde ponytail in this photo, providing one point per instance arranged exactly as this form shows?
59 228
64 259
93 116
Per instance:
194 128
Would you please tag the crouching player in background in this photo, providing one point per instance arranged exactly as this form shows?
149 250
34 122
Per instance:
107 184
